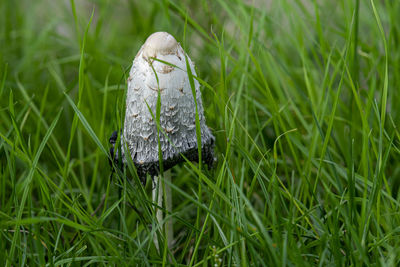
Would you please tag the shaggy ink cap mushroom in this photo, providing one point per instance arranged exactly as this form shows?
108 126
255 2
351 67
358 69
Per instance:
147 78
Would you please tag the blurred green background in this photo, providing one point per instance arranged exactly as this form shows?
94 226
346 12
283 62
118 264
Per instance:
300 94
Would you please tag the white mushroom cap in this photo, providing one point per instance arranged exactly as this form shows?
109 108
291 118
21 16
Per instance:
178 111
161 43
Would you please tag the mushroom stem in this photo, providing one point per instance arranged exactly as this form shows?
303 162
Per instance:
168 205
157 198
157 194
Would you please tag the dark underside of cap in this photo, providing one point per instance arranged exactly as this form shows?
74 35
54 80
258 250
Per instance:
153 168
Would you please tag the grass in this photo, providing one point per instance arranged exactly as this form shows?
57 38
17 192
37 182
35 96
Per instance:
301 96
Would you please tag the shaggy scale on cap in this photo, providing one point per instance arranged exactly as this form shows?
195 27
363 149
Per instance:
178 111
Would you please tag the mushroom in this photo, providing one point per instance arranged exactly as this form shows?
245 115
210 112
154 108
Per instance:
148 75
159 70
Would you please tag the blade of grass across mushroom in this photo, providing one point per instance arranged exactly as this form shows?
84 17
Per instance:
198 130
159 127
196 169
29 179
160 130
165 188
156 193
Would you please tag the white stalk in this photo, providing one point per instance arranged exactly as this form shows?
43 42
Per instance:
157 195
169 229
